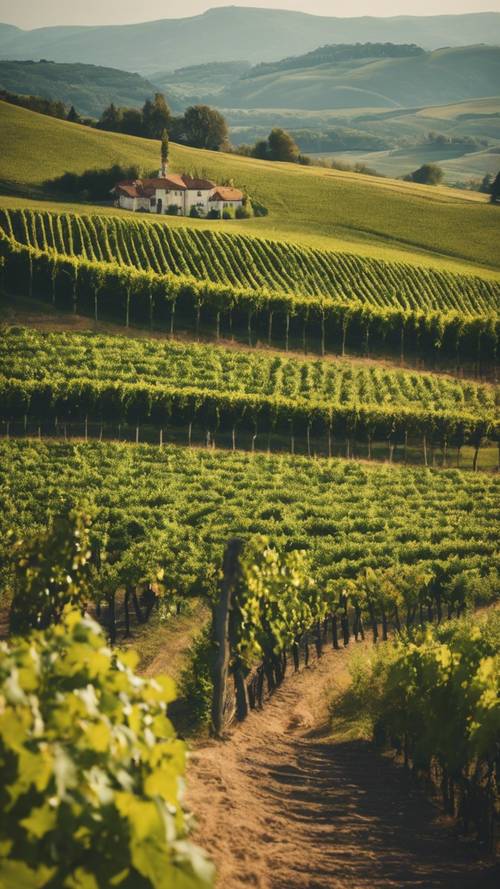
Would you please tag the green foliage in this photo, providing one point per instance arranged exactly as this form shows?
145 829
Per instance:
93 185
34 103
91 768
337 296
156 119
173 509
204 127
427 174
52 569
437 696
196 683
89 88
242 213
164 147
495 190
277 599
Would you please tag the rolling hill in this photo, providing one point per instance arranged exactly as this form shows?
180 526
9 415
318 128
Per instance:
216 36
432 78
90 88
310 205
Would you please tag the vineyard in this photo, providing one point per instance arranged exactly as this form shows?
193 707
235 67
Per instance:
181 489
91 377
262 290
252 263
178 506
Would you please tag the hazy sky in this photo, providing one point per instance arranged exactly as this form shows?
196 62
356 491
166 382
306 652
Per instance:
37 13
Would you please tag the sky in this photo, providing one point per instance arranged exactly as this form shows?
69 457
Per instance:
33 14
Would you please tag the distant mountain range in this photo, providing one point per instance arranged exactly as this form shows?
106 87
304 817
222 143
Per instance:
336 78
90 88
228 33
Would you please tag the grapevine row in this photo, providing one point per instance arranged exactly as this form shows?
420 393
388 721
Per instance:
28 354
250 262
177 507
134 297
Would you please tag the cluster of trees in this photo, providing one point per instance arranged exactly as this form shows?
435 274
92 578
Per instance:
200 126
279 146
471 142
92 185
36 103
335 53
432 174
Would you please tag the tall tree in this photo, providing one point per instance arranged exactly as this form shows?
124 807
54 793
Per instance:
111 119
131 122
495 190
261 150
282 146
73 115
156 116
164 147
205 127
486 183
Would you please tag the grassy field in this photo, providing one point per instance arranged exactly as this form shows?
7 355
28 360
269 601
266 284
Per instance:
457 166
311 205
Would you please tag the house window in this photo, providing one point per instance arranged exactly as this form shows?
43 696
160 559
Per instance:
199 194
152 202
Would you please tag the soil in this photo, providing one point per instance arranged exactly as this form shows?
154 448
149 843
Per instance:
287 802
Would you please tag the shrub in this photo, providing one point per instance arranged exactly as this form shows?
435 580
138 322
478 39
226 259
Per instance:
172 210
242 213
427 174
213 214
90 768
226 214
194 212
259 209
92 184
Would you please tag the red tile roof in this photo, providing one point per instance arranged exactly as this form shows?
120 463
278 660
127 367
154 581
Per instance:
224 193
197 184
145 188
127 188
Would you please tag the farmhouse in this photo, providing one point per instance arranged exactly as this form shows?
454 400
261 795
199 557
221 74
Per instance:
177 195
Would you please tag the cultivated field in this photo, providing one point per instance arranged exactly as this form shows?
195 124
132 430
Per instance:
247 448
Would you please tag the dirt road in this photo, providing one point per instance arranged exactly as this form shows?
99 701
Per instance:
287 803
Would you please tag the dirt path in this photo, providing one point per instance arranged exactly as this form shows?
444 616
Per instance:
286 804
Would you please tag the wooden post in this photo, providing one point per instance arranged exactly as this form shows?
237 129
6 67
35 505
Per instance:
335 633
220 626
318 640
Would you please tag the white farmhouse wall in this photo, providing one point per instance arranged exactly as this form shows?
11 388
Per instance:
169 196
197 199
126 203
